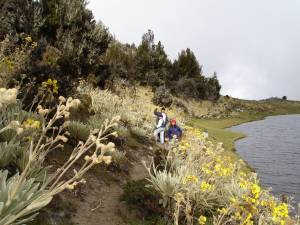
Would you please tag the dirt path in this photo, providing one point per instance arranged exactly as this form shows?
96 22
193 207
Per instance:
138 171
100 203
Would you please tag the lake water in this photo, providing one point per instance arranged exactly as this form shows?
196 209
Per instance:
272 148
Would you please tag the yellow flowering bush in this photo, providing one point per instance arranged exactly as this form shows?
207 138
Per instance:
280 213
190 179
51 85
206 186
207 182
30 123
14 57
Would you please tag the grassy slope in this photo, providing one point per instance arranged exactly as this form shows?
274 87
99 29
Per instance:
137 146
217 127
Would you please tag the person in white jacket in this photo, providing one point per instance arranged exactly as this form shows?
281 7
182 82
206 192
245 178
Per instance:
160 130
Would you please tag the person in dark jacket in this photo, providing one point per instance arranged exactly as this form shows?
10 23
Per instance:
163 114
174 130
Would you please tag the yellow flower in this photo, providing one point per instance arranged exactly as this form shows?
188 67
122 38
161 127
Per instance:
206 169
28 39
264 203
244 184
218 167
202 220
51 85
223 211
242 174
280 213
206 186
209 152
233 200
237 216
248 220
30 123
107 159
250 200
190 179
225 171
255 190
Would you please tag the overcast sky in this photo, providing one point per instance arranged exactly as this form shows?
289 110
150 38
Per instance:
253 45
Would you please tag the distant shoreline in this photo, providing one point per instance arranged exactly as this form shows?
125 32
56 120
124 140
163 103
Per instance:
219 129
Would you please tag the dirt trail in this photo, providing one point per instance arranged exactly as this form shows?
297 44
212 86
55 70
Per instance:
138 171
100 203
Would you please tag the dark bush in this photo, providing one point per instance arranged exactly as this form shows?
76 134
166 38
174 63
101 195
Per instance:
180 104
185 87
213 88
186 65
162 97
71 45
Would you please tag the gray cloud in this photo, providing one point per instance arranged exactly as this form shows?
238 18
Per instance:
252 44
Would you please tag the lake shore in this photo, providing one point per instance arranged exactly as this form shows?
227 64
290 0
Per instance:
272 149
219 132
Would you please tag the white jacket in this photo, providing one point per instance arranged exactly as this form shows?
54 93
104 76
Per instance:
160 123
164 117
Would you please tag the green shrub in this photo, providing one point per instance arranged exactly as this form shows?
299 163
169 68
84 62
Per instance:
7 135
9 152
95 121
144 199
119 158
78 130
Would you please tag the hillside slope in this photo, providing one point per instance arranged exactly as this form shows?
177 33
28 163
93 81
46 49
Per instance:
98 202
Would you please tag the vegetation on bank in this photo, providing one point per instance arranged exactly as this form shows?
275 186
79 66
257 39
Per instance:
190 180
200 184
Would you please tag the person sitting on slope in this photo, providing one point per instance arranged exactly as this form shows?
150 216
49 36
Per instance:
174 130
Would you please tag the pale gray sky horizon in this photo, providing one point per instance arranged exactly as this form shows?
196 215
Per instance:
253 45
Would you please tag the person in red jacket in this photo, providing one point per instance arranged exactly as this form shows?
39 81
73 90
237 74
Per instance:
174 130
